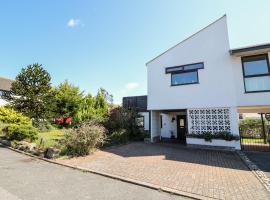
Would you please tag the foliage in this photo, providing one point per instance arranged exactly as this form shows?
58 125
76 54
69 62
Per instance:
29 92
208 136
50 138
66 100
44 126
121 118
10 116
251 127
20 132
117 137
84 139
95 108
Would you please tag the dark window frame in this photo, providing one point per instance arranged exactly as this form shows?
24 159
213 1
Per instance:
184 72
257 75
183 68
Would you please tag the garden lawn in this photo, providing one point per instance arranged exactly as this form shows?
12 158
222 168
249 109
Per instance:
50 138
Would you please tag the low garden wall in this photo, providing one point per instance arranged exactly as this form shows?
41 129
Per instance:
215 142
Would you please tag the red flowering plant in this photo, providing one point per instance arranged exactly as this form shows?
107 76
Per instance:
63 121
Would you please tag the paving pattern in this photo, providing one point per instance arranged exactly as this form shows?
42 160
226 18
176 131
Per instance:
26 178
208 173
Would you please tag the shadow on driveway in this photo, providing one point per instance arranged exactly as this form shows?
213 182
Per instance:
261 159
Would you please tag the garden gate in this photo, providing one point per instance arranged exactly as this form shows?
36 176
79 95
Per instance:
254 136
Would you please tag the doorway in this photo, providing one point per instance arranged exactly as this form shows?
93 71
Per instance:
181 128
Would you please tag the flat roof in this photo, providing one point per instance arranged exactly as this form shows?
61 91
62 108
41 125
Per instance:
259 48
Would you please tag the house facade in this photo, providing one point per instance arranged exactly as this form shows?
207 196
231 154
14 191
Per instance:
139 103
201 85
5 85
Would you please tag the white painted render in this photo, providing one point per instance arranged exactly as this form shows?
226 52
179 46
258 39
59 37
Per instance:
215 142
3 102
220 82
146 119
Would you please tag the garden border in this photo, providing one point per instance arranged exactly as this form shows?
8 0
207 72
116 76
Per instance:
120 178
255 170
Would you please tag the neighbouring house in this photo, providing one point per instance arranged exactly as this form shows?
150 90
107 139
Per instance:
201 86
5 85
139 103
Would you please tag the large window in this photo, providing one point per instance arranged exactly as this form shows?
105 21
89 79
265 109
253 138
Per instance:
256 73
184 78
184 74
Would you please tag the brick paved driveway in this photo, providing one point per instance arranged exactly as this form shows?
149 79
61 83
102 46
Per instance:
207 173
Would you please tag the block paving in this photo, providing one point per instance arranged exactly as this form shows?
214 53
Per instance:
208 173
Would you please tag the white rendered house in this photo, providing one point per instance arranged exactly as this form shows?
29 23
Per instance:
5 85
201 85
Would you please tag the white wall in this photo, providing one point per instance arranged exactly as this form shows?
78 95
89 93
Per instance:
246 99
221 82
215 89
155 124
146 119
3 102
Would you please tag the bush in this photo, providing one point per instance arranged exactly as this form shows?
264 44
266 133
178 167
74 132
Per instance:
208 136
10 116
43 126
84 139
118 137
250 127
121 118
20 132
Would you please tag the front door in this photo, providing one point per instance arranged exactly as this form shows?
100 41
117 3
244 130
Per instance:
181 127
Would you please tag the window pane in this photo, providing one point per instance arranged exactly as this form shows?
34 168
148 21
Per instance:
168 70
194 66
184 78
257 83
256 66
185 67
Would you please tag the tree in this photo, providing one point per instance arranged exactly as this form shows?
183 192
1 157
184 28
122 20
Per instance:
67 99
29 92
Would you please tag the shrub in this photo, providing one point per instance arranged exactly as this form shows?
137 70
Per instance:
208 136
43 126
250 127
20 132
82 140
121 118
118 137
10 116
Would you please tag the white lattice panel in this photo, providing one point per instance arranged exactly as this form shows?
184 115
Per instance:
209 120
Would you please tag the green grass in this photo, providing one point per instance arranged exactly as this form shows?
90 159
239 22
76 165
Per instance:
50 138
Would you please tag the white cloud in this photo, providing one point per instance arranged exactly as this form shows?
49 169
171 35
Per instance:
73 22
131 86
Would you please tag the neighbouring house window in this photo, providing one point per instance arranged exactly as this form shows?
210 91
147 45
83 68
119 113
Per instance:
140 121
184 74
256 73
209 120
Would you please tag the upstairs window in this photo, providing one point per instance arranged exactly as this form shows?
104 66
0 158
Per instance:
184 74
256 73
184 78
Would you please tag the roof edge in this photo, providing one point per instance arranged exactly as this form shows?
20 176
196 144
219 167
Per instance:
250 48
186 39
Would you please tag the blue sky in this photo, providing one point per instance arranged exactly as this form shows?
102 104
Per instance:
106 43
